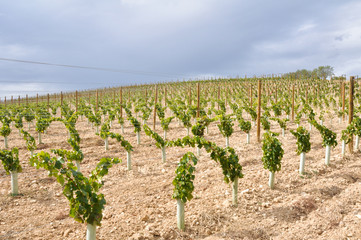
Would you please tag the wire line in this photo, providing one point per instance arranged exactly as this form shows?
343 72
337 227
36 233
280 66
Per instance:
94 68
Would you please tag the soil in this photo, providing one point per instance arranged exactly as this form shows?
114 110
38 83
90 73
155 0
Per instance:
324 203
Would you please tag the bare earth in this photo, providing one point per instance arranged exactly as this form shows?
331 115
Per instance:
325 203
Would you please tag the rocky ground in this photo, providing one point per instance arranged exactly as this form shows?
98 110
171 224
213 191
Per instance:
325 203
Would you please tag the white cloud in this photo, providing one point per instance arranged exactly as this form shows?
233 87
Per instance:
17 50
206 38
305 27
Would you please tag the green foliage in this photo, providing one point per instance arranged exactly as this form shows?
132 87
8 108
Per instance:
183 182
298 117
265 123
145 112
160 111
164 122
347 133
226 125
160 142
18 119
30 141
281 122
222 105
243 124
202 123
356 122
10 160
135 123
5 119
251 112
226 157
86 204
28 114
54 108
272 152
43 120
120 120
303 140
124 143
328 136
94 118
104 130
74 139
5 130
185 118
277 109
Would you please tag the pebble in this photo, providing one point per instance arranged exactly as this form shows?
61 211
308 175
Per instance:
245 191
266 204
145 218
358 216
66 232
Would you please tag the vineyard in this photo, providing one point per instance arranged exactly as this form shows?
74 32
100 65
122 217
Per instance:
248 158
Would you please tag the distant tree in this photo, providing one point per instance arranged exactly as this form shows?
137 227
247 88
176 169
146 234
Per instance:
321 72
324 71
303 73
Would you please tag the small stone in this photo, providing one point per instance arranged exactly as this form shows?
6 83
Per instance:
244 191
358 216
226 203
145 218
66 232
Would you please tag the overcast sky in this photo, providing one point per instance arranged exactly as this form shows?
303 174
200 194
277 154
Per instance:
163 40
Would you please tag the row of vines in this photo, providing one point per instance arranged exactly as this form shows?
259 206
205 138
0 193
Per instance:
248 104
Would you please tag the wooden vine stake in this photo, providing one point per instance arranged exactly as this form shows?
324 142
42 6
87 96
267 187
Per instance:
155 109
189 96
97 101
259 112
250 96
198 98
293 102
76 101
340 99
48 101
121 102
350 113
219 95
37 99
19 100
343 101
276 94
61 103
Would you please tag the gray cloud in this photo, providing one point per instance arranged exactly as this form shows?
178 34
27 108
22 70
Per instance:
182 39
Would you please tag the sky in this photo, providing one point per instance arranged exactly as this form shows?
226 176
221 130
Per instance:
149 41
